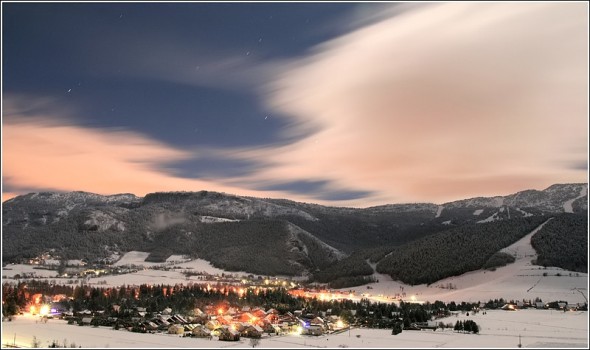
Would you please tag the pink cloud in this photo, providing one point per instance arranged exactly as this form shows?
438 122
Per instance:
441 102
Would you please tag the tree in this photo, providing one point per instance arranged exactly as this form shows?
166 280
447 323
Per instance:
254 342
35 343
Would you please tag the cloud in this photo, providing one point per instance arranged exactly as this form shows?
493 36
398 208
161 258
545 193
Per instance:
47 151
439 102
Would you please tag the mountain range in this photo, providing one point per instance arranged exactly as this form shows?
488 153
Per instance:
417 243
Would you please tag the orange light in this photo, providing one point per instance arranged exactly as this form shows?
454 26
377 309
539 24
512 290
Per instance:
220 311
33 309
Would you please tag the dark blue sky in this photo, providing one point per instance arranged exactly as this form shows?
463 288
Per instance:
96 49
95 59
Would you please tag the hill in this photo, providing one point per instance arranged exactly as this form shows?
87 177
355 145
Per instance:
274 236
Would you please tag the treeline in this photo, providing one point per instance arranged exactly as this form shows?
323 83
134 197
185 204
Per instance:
351 271
257 246
453 252
563 242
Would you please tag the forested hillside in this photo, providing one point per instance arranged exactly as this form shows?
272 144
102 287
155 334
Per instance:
453 252
279 236
563 242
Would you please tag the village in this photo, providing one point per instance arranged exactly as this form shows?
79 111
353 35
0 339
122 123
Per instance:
208 304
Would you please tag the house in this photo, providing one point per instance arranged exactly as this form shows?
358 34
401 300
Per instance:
228 334
272 311
212 324
201 331
258 313
199 313
176 329
251 331
271 318
225 320
313 329
177 319
150 326
271 328
246 317
509 307
317 321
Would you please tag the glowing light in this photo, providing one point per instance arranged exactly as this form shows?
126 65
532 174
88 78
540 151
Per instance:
44 310
413 297
33 309
340 324
299 330
220 311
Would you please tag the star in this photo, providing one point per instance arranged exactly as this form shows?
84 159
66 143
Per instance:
69 90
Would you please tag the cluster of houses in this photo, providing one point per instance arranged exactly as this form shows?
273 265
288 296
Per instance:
226 323
513 306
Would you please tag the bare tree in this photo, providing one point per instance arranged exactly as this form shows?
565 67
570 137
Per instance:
254 342
35 343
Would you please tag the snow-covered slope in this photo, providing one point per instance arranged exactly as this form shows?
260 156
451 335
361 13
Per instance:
519 280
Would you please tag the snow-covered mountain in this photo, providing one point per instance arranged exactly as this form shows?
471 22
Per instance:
299 237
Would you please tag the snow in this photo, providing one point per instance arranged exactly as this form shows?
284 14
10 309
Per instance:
212 219
135 258
519 280
567 206
537 328
11 270
524 213
494 217
439 211
477 212
448 222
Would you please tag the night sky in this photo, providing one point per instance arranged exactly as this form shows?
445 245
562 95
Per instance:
347 104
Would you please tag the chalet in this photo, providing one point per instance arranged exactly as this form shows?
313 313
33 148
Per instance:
228 334
509 307
161 321
199 313
177 319
246 317
176 329
258 313
251 331
201 332
212 324
313 329
272 311
317 321
271 318
150 326
271 328
225 320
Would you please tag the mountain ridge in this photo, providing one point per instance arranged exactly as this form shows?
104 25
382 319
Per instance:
278 236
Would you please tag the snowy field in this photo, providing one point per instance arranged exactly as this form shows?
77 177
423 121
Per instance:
498 329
